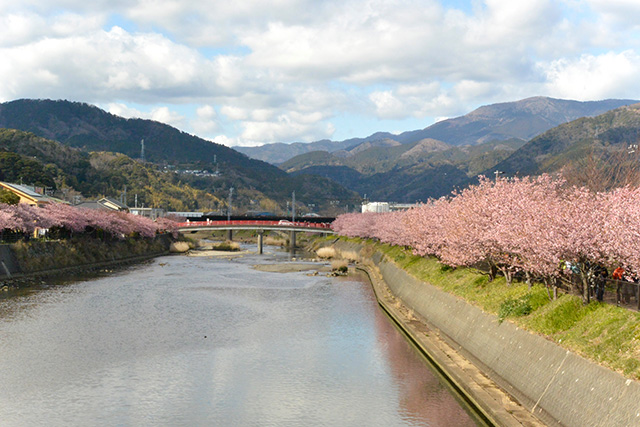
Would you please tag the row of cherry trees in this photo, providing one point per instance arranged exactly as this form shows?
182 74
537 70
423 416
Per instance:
23 218
537 226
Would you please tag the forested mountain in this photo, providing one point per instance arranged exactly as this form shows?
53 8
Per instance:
258 185
383 168
522 119
603 146
68 172
400 170
404 172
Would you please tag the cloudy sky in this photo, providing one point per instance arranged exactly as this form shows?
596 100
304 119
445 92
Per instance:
247 72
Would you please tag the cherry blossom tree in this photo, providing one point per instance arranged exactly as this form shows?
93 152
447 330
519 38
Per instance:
67 217
530 225
167 225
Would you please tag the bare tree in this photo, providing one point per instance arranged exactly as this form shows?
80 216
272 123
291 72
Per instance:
601 170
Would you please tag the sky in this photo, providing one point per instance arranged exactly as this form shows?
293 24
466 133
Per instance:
249 72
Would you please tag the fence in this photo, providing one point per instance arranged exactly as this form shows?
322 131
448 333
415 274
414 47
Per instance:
617 292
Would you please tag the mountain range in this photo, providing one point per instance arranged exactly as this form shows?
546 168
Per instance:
78 147
522 119
432 162
258 185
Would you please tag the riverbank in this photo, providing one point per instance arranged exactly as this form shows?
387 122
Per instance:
22 263
560 387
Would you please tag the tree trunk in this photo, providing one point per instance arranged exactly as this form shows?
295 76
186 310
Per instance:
586 298
508 274
547 285
493 271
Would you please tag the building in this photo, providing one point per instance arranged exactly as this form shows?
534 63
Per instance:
402 206
376 207
152 213
188 215
27 194
106 204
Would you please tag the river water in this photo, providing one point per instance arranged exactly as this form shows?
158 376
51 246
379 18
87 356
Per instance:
203 341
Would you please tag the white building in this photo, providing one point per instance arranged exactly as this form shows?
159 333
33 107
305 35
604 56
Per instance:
377 207
152 213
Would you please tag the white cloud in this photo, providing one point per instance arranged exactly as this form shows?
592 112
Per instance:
287 127
160 114
592 77
421 100
235 141
618 12
105 66
205 122
282 70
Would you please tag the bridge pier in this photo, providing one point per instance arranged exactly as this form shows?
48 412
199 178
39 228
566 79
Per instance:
229 235
292 240
260 241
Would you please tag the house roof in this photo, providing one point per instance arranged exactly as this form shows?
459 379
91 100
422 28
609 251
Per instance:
112 204
26 191
104 203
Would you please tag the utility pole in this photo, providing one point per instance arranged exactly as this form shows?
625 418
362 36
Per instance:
142 150
229 204
293 207
229 232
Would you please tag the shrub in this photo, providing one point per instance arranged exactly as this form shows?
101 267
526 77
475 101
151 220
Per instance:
339 265
516 307
226 246
328 252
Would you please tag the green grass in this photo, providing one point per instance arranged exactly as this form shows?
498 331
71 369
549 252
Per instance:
606 334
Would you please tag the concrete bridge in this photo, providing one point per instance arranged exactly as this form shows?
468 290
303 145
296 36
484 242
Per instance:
259 226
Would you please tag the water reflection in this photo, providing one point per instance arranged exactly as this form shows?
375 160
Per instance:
203 341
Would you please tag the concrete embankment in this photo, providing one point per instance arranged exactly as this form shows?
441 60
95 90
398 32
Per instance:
557 386
24 260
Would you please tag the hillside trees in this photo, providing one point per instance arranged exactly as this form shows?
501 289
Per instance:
9 198
18 168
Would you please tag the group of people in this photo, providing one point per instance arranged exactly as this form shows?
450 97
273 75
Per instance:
599 281
597 276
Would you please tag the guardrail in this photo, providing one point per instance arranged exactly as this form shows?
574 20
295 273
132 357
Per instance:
286 224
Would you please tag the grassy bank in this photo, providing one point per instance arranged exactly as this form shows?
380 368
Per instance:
606 334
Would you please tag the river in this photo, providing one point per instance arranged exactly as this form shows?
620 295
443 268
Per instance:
210 341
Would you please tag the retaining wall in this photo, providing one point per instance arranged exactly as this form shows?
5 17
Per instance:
59 257
558 386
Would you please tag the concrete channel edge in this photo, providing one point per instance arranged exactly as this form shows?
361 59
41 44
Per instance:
464 380
513 377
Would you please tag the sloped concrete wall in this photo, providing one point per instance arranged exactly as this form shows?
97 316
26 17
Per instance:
558 386
8 264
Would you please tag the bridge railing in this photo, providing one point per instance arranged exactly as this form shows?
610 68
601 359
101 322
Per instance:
287 224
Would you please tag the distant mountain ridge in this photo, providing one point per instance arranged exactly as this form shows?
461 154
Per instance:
91 129
522 119
86 126
403 172
613 131
433 168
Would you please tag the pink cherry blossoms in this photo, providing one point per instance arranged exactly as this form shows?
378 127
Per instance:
531 225
25 219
